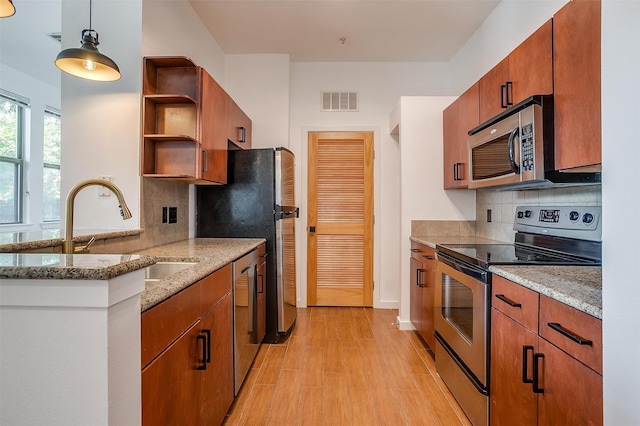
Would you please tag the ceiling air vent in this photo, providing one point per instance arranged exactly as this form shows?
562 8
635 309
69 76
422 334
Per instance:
339 101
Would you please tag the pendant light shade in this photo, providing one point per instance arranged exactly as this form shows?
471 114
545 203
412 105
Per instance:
86 61
6 8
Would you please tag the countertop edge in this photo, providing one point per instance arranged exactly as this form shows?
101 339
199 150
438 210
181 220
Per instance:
83 236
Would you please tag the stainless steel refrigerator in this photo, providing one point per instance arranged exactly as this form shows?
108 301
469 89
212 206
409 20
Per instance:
258 201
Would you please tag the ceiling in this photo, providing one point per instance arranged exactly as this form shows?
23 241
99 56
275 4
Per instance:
307 30
373 30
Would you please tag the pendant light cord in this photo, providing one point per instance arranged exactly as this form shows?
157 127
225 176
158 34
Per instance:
90 27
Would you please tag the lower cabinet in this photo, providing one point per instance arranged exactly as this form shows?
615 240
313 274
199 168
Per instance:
422 291
190 381
546 360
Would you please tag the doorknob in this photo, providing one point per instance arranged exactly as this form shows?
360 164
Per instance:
312 229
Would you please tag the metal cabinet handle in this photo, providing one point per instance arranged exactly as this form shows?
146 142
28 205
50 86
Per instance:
208 354
243 134
206 159
418 278
428 257
569 334
456 171
415 250
261 287
525 363
536 374
509 88
503 88
203 366
508 301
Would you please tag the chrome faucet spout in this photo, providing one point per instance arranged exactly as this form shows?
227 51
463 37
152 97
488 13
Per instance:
68 245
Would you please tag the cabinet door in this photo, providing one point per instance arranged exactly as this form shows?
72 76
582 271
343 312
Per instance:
458 118
427 324
531 66
415 293
512 400
213 132
572 391
171 383
248 131
217 380
577 93
492 91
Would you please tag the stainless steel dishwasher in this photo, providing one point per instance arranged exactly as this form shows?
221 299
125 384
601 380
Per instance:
245 320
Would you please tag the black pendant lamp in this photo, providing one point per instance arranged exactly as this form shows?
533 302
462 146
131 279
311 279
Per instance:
86 61
6 8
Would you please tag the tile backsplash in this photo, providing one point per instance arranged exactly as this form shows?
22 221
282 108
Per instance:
503 206
443 228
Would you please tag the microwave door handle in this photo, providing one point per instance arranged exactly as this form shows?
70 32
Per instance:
512 153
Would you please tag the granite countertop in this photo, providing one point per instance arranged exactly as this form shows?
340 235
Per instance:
11 242
433 240
210 254
70 266
577 286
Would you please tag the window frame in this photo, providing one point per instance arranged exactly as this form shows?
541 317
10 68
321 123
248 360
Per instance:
53 112
22 105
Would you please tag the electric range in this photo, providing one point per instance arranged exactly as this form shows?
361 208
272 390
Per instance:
568 235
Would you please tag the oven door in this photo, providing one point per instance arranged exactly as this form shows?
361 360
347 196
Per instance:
462 313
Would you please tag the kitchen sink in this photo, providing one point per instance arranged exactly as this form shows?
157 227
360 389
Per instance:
161 270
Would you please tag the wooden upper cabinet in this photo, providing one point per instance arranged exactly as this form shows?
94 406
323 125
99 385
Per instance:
527 71
492 89
214 130
458 118
239 126
183 122
577 85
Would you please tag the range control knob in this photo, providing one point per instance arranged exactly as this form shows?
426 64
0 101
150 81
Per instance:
520 215
587 218
574 215
527 213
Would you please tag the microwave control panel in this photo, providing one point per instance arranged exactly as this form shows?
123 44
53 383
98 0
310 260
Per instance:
526 151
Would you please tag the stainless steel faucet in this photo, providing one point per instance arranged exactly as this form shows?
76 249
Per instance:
68 246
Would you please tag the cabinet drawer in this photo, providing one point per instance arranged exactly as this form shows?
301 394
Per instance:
164 323
214 287
262 253
424 254
573 331
516 301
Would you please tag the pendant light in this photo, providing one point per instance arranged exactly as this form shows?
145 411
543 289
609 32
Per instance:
6 8
86 61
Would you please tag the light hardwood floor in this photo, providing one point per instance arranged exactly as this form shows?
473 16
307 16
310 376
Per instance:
345 366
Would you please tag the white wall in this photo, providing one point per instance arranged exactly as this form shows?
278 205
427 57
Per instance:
379 86
621 237
259 84
421 165
101 129
101 125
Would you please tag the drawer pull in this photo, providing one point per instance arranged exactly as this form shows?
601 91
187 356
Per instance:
415 250
536 376
203 366
567 333
426 256
419 282
508 301
525 363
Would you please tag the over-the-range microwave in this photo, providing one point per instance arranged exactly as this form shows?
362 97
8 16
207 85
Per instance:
515 149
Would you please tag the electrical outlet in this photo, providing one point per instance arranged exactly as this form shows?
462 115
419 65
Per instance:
103 191
488 215
165 214
173 215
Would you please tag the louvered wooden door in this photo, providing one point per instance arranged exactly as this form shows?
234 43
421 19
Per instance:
340 219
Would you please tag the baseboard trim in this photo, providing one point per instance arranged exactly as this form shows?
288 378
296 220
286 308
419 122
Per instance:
404 325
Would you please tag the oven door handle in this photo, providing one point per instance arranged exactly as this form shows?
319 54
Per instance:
476 273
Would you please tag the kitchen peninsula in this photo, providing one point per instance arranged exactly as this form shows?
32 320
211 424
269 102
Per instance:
71 341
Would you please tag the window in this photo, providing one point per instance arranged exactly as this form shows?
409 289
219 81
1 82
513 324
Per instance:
12 116
51 164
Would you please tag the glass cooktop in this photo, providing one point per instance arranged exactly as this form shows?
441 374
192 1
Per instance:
484 255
